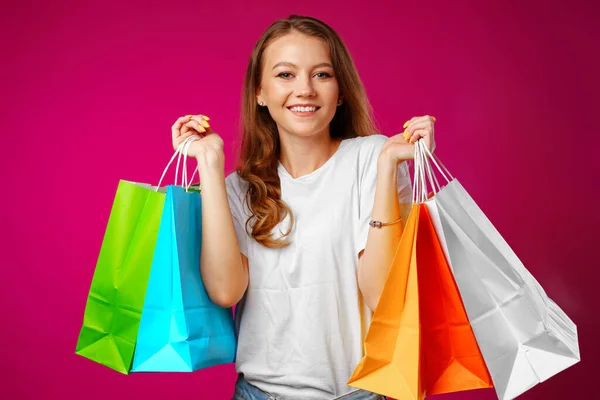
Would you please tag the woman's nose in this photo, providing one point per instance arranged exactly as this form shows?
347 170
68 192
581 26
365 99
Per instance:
305 87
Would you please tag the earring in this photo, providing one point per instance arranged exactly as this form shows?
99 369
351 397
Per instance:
260 103
340 101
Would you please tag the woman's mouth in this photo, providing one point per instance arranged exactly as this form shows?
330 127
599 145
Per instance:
304 111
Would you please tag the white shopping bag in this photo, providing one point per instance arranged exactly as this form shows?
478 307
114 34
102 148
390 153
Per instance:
524 337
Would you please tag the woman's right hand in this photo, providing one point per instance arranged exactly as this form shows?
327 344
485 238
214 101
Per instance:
208 150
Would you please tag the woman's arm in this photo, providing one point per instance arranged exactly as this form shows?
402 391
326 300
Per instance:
224 272
375 261
223 268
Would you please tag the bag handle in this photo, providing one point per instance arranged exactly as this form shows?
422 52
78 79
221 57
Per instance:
438 163
416 178
181 151
423 165
435 185
424 172
422 169
420 190
426 165
184 181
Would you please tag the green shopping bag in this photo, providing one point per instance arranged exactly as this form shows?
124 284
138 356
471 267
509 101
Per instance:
116 297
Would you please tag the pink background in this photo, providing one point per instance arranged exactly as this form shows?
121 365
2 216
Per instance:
90 90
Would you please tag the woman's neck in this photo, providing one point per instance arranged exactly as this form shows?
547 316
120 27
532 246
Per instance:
303 155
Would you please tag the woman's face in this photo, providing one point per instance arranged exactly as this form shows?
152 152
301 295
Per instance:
298 85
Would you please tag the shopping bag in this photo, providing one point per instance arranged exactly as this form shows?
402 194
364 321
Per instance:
392 359
116 297
450 357
525 338
181 329
443 355
116 303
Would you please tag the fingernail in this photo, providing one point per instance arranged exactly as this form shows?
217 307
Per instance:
433 118
188 116
406 124
412 140
205 124
206 118
202 129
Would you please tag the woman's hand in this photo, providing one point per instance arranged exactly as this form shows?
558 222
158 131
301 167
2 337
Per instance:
401 147
208 149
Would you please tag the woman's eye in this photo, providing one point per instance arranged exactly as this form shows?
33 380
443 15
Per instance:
288 75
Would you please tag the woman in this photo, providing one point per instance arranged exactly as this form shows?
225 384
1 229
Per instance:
303 233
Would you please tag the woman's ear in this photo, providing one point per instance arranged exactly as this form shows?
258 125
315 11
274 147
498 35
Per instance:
259 99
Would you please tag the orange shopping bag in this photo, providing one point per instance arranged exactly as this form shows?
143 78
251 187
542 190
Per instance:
392 359
420 340
450 357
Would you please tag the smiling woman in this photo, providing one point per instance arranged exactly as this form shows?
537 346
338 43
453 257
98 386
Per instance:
301 93
300 62
290 226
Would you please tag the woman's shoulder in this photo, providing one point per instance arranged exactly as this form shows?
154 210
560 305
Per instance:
237 189
373 140
235 184
367 146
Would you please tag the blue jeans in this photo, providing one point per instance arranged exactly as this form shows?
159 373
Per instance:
246 391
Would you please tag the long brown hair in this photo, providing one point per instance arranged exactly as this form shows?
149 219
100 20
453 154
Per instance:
260 147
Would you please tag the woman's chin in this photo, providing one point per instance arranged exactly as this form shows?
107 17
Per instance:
306 133
306 130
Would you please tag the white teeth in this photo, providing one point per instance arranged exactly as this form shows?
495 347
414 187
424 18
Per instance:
304 109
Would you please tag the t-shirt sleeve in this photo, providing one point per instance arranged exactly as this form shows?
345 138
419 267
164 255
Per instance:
236 194
367 164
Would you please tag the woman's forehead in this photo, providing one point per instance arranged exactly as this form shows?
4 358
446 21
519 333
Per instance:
297 49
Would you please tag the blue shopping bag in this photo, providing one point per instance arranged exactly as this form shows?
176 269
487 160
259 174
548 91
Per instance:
181 329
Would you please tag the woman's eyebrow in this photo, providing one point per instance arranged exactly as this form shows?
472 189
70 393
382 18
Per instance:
292 65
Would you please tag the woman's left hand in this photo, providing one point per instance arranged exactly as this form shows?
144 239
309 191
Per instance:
400 147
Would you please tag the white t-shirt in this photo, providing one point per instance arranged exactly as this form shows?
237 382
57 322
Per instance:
302 321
